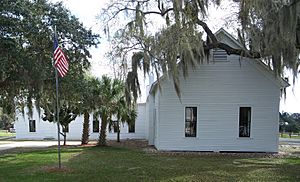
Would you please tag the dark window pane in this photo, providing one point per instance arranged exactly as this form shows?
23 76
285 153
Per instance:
96 126
32 127
65 129
115 126
190 121
131 127
245 122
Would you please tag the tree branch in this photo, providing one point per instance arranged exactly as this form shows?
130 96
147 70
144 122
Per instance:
162 13
208 31
229 50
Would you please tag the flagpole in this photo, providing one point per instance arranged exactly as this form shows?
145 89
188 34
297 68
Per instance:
57 113
57 116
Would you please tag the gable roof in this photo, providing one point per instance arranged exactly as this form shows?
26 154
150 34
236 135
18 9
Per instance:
221 31
222 34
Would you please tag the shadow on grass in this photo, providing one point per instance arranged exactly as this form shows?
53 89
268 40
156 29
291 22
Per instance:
120 164
117 164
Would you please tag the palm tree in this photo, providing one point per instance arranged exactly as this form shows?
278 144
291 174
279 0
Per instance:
111 92
89 103
125 113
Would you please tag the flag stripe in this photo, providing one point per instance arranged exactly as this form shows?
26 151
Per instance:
61 67
60 60
61 71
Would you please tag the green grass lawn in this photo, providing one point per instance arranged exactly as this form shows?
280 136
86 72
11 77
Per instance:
120 164
285 135
3 133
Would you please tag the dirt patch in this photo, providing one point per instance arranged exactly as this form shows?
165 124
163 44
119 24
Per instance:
137 144
90 144
284 150
129 143
56 169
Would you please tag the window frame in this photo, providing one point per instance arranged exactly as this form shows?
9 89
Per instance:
29 125
217 55
196 122
115 126
98 129
129 127
249 135
65 130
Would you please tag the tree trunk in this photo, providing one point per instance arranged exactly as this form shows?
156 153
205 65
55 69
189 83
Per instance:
118 134
102 136
65 138
86 129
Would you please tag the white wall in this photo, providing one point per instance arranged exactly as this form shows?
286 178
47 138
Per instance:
47 130
150 118
218 90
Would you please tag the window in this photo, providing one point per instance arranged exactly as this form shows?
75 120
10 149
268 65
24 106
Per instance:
115 126
95 125
65 129
219 55
190 121
131 127
245 122
32 127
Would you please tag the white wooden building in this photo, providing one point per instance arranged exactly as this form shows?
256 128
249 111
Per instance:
228 104
34 128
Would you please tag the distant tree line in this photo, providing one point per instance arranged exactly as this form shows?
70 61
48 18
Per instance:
289 123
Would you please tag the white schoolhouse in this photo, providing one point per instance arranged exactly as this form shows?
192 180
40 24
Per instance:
228 104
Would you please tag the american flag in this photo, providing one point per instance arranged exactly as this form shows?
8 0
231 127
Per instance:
60 60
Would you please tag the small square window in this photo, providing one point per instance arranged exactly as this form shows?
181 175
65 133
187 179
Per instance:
65 129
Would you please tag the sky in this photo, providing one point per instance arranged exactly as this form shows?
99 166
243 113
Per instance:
87 11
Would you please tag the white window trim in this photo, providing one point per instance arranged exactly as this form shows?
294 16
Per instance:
32 132
197 122
238 122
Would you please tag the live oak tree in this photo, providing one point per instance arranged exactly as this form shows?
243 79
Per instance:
75 98
268 30
26 47
289 123
67 114
6 121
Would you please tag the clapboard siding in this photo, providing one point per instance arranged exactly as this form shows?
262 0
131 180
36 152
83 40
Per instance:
218 90
47 130
150 118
